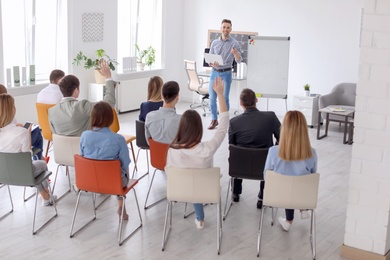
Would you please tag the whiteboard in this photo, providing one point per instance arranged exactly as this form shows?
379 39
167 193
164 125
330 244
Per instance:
268 61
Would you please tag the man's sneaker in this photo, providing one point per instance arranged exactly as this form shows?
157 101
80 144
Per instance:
305 214
259 204
199 223
236 197
285 225
50 201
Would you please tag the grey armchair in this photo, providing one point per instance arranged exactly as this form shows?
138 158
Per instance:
342 95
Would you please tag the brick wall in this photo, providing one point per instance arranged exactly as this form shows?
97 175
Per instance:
367 224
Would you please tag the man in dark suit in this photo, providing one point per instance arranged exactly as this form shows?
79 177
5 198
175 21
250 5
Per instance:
254 129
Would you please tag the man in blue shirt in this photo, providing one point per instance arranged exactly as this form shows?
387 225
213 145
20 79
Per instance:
230 50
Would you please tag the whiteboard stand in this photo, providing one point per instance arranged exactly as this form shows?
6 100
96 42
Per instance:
268 96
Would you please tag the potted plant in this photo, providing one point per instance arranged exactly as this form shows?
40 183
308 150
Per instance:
145 57
89 63
307 89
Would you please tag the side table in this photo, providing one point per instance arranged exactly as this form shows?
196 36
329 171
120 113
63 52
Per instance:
348 121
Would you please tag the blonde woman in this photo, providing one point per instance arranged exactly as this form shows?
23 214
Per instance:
293 156
154 97
15 139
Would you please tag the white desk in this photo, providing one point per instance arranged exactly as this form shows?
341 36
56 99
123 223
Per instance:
239 81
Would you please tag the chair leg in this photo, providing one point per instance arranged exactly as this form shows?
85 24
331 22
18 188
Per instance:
167 232
105 198
260 232
121 221
47 148
273 215
185 211
136 160
313 233
35 213
132 151
219 227
225 213
147 196
75 212
12 204
24 195
55 181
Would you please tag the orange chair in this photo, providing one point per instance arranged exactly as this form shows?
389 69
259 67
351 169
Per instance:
43 121
158 159
103 177
115 127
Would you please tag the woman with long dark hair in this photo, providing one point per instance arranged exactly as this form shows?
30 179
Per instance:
187 150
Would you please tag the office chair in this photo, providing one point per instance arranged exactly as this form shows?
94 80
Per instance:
197 85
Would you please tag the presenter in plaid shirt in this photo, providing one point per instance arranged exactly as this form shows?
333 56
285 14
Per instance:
230 50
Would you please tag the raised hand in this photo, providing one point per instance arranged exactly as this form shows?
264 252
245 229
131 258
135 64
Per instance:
104 69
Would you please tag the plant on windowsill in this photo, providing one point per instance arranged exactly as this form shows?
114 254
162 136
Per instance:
94 63
307 89
145 57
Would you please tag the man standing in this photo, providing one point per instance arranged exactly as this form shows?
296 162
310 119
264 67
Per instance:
253 129
162 125
230 50
71 117
52 93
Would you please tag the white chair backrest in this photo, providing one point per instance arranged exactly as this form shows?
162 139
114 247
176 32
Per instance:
193 185
65 147
194 81
291 192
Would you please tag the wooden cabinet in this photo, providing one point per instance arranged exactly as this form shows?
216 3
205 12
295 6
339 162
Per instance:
308 105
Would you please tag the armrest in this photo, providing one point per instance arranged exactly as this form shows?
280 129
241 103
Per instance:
327 100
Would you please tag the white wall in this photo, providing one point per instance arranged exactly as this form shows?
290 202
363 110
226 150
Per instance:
368 217
324 35
324 38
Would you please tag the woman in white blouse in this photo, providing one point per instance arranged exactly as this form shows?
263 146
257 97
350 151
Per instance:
187 150
15 139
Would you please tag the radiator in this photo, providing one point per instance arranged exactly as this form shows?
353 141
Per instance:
131 93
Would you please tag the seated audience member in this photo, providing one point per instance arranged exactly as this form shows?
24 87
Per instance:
162 125
154 97
187 150
52 93
36 135
15 139
103 144
71 117
254 129
3 89
293 156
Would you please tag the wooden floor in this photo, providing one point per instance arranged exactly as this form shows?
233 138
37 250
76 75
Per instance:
99 239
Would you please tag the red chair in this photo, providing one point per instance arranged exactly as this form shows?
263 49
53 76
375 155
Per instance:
103 177
158 159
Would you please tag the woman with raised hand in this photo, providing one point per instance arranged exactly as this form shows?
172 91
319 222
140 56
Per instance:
187 150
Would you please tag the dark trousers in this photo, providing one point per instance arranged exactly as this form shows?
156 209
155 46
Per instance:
237 187
37 141
289 214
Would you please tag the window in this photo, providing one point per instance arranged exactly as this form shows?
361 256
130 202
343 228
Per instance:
33 32
139 22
